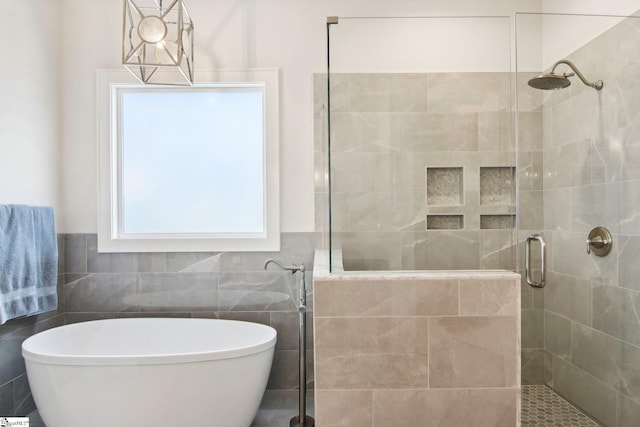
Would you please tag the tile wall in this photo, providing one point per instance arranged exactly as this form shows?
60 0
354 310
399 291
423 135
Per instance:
229 285
417 349
209 285
422 170
530 185
591 178
393 135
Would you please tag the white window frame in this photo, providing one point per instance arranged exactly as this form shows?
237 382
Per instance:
111 239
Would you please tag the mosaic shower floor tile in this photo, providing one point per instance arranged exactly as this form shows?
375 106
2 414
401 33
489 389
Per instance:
541 406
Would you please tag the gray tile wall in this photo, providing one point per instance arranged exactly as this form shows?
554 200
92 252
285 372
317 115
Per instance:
390 132
230 285
404 349
210 285
407 147
530 182
591 177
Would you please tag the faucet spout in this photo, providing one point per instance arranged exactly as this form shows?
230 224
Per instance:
292 268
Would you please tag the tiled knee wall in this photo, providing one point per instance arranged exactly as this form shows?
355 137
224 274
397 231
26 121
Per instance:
427 349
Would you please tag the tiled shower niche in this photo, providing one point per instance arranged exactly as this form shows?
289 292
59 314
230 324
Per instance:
497 222
496 185
445 222
491 201
445 186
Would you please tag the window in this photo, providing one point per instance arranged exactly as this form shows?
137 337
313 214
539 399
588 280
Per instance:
189 168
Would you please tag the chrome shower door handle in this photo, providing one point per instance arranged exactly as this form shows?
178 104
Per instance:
527 260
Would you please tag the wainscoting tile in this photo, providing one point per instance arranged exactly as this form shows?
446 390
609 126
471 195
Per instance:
489 297
628 411
257 291
23 401
204 262
458 345
388 298
75 257
532 366
6 399
286 323
432 408
615 312
612 361
11 356
533 328
103 292
121 262
557 335
179 261
177 292
568 296
370 352
284 370
628 266
344 408
586 392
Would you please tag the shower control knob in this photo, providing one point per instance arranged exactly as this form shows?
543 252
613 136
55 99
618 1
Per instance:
599 241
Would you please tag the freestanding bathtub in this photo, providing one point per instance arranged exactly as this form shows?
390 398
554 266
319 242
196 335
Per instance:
150 372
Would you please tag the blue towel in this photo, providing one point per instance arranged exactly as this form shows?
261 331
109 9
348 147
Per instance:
28 261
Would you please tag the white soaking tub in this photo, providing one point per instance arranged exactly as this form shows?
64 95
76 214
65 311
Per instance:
150 372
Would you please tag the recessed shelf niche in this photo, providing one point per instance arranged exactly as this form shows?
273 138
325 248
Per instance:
445 222
497 185
497 222
444 186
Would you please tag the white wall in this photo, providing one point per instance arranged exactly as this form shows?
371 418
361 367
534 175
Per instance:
29 122
442 44
563 35
231 34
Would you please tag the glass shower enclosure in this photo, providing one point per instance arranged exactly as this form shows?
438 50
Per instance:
434 153
581 333
414 121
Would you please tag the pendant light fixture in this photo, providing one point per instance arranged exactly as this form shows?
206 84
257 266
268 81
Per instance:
157 42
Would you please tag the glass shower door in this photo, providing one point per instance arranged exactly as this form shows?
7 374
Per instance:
419 143
581 332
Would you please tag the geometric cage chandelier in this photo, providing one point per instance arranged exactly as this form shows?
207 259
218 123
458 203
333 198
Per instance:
157 42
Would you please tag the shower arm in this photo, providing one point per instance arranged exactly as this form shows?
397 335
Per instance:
596 85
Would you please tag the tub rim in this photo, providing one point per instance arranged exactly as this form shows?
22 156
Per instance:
32 356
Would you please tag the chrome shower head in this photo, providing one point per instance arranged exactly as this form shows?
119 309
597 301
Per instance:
553 81
550 81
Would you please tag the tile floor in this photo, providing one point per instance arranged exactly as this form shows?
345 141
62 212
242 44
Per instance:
276 409
541 406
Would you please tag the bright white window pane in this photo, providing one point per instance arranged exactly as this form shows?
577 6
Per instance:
192 161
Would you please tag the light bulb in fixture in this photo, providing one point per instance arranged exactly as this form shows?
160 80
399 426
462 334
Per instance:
152 29
166 52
